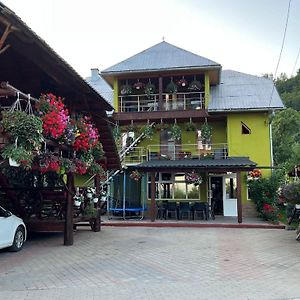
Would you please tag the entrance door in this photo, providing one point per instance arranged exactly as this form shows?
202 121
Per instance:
230 198
216 184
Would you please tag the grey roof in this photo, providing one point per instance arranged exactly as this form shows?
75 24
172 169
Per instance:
101 86
240 91
162 56
229 163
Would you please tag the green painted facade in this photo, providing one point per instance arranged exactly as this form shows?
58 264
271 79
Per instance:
225 131
255 145
207 89
116 96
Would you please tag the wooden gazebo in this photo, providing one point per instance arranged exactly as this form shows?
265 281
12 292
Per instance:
31 66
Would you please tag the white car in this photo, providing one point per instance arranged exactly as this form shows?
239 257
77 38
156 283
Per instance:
12 231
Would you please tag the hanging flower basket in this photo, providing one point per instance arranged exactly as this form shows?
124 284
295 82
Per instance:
135 175
27 129
147 130
48 162
254 175
195 85
150 89
126 89
161 126
190 126
206 132
175 132
87 135
171 88
193 178
54 115
17 155
182 83
138 86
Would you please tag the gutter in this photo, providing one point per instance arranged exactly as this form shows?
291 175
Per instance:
207 67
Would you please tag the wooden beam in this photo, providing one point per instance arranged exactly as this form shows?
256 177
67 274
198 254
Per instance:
160 93
158 115
239 197
68 232
152 206
97 226
3 38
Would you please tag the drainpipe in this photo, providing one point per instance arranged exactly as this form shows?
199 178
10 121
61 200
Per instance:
271 139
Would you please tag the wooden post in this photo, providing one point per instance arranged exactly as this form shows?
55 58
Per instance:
152 207
97 226
239 197
160 93
68 232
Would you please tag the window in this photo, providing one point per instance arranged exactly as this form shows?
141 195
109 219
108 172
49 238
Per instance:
245 129
231 187
170 186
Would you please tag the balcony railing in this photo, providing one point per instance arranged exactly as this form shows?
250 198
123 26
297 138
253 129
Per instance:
172 152
178 101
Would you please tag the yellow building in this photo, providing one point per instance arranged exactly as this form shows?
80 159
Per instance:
192 129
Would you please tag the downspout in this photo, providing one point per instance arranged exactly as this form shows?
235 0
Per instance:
271 139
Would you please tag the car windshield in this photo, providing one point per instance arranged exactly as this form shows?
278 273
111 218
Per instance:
3 212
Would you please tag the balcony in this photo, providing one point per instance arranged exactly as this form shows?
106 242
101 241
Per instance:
149 103
174 152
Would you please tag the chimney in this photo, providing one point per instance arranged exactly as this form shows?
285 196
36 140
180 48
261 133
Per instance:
95 73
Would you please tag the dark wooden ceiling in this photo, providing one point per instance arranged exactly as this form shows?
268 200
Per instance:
30 65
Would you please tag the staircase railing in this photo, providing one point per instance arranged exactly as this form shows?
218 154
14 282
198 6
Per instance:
122 153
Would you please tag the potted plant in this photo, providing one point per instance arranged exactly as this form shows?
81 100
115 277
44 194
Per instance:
66 165
126 89
17 156
117 132
96 169
138 86
147 130
193 178
78 199
206 133
97 151
190 126
149 88
54 115
161 126
27 129
90 211
182 82
195 85
171 87
175 132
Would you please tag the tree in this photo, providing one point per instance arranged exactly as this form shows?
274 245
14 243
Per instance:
286 137
289 90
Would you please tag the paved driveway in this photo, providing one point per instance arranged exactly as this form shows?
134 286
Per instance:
155 263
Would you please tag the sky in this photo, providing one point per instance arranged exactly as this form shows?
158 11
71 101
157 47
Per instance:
241 35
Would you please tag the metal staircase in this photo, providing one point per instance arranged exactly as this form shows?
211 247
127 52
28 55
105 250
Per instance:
123 152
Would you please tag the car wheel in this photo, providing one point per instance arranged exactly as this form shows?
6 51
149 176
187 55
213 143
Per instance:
18 240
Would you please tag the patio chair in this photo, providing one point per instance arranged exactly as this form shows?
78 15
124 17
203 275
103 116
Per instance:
200 208
172 209
162 209
184 208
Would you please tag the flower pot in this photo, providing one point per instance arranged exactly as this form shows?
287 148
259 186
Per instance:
77 203
95 200
13 163
89 195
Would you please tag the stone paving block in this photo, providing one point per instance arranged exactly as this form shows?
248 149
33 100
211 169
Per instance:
155 263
